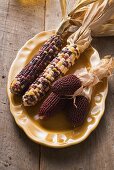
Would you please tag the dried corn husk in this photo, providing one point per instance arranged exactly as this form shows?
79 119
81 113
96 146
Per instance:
97 15
74 18
92 77
105 24
104 69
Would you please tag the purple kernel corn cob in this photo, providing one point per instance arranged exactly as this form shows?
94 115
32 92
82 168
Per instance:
56 69
50 105
36 66
77 114
66 85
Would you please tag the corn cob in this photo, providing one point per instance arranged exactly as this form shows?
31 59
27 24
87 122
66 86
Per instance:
33 69
50 105
57 68
78 113
66 85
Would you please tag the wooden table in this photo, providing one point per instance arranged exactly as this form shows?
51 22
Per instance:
20 21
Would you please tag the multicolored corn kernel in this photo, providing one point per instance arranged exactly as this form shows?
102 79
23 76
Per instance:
53 71
78 112
66 85
36 66
50 106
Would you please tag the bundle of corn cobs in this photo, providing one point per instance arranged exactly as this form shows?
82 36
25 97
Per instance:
59 54
71 92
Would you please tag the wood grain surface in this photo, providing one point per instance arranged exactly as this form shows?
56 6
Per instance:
19 21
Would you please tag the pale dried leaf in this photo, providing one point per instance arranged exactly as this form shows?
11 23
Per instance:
104 69
98 16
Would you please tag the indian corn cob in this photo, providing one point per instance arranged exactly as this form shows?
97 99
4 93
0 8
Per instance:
57 68
50 105
66 85
78 112
33 69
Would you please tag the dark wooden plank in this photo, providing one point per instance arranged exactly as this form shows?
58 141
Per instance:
18 23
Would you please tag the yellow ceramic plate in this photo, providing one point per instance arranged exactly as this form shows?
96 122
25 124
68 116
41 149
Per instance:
56 131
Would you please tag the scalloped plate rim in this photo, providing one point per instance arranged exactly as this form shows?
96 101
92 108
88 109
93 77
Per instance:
47 143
